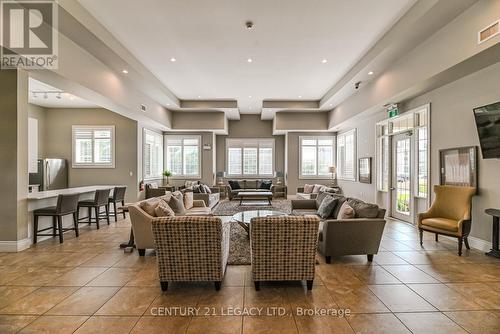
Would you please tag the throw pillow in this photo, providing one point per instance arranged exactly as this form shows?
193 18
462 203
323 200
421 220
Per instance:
362 209
197 188
234 184
153 185
320 198
150 205
166 197
188 200
346 212
317 188
326 207
266 184
340 201
206 189
177 203
308 188
164 210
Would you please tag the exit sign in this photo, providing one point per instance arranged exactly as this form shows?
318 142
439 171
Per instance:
392 110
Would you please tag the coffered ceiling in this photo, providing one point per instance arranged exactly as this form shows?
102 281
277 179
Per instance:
201 50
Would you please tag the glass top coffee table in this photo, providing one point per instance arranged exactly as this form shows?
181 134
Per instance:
243 218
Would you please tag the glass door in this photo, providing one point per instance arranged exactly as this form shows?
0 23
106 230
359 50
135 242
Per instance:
402 207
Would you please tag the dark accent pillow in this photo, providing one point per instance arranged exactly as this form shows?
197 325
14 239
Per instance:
197 189
266 184
362 209
340 201
326 208
234 184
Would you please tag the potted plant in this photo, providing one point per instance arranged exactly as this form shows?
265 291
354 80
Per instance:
167 174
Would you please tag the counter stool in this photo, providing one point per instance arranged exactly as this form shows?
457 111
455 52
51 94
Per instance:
118 196
100 200
66 205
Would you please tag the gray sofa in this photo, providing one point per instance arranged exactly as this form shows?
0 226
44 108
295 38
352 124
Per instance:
211 199
358 236
302 195
247 185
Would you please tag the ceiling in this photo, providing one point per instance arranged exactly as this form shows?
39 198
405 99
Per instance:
288 44
48 96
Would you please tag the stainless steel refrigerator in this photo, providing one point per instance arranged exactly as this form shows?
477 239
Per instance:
51 174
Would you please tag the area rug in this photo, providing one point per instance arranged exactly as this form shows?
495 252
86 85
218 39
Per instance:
239 246
229 208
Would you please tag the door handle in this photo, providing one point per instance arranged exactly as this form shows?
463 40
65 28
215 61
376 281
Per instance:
392 188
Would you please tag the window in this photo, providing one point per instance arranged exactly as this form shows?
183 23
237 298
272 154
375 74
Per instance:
183 156
152 154
346 155
93 146
383 152
316 155
250 157
422 181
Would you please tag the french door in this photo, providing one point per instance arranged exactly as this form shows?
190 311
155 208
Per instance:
402 176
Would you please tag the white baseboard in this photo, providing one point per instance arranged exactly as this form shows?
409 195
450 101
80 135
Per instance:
476 243
15 246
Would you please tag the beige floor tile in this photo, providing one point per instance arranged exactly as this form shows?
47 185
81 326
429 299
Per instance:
318 297
39 301
381 323
104 260
129 301
161 325
322 325
477 322
78 276
388 258
429 322
215 325
181 296
266 297
133 260
40 276
108 325
10 294
444 298
14 323
410 274
114 277
373 275
235 275
85 301
228 297
399 298
54 324
483 294
337 275
358 299
269 325
145 277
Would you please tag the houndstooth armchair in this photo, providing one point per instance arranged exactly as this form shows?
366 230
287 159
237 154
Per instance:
191 248
283 248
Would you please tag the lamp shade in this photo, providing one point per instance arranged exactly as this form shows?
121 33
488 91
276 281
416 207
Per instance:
332 169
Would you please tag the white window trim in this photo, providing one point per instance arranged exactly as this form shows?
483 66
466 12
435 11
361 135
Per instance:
334 158
200 157
144 130
74 164
242 176
355 156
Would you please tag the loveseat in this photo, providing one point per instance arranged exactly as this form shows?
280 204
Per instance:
209 195
360 235
248 185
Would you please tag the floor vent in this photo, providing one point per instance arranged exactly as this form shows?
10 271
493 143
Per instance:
489 32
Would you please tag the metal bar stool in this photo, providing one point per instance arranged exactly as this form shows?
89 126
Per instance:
66 205
118 196
100 200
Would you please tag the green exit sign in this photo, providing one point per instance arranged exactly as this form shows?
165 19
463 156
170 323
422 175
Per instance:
393 110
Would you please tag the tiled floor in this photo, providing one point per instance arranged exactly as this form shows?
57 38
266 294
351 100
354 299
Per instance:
88 285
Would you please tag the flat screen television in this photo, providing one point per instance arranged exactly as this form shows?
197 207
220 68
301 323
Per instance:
488 128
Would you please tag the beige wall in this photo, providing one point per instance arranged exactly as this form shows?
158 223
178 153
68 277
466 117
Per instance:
293 156
198 120
300 121
58 144
39 113
251 126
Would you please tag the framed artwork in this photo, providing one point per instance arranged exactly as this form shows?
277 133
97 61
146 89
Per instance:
458 166
365 170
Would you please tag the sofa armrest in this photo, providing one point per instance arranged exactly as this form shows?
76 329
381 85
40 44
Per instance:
141 225
215 190
303 204
198 203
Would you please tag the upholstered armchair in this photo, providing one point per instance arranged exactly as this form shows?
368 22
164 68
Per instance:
450 214
283 248
191 248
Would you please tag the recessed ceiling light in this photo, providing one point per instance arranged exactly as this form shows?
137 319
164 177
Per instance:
249 96
370 73
168 104
72 98
331 104
300 96
249 60
199 96
249 107
324 61
124 71
173 59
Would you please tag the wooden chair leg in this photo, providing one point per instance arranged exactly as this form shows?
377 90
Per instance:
114 209
257 285
35 229
123 204
466 242
75 222
96 209
370 257
328 259
460 241
436 237
309 284
217 285
90 215
142 252
54 226
106 207
164 286
421 233
59 225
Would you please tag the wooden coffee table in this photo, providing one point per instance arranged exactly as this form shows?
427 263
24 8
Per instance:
255 195
244 218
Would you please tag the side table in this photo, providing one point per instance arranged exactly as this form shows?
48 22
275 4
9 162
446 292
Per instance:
280 190
495 252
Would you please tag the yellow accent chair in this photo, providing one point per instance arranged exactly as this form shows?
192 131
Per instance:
449 214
